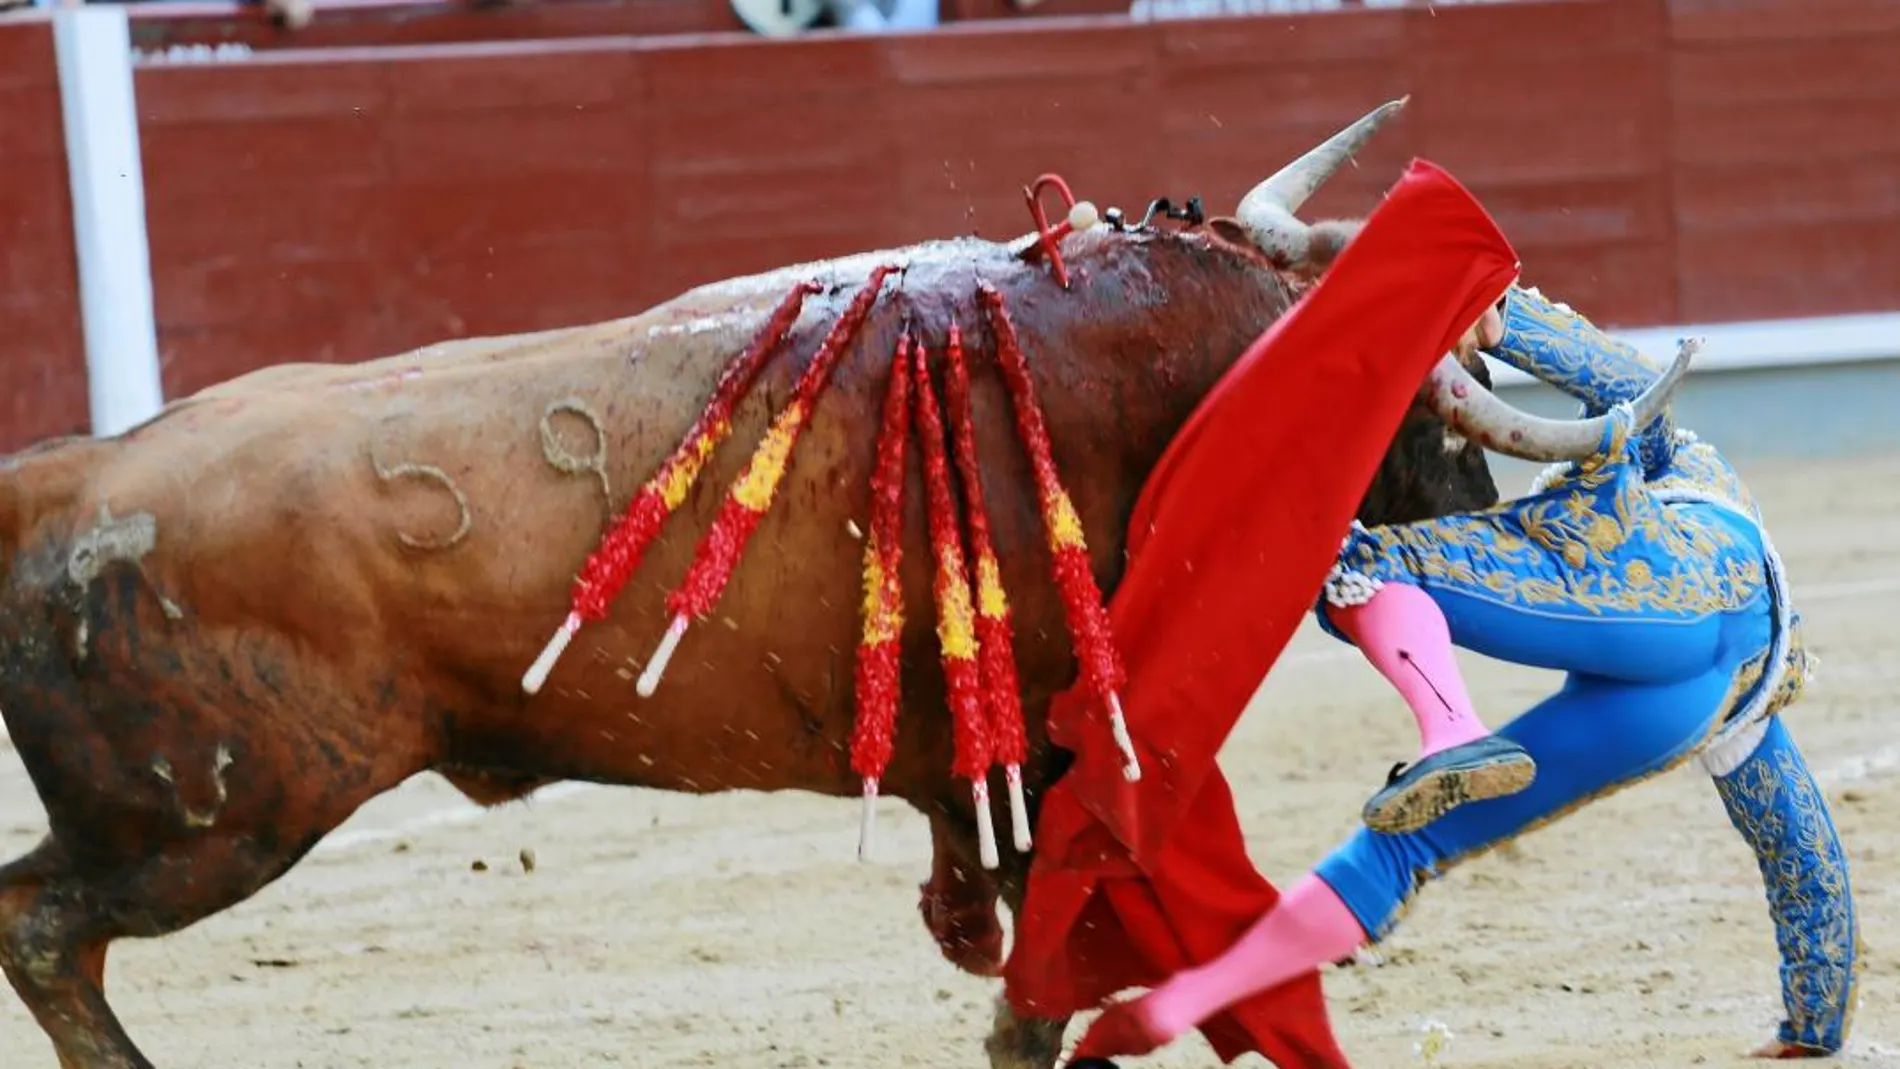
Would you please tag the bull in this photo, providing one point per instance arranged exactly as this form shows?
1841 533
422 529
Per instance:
226 629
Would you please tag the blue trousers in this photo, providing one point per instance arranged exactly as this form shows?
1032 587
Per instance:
1640 696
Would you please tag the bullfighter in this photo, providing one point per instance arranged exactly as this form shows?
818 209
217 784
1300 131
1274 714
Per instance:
1646 575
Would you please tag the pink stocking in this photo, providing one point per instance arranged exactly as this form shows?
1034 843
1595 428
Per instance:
1404 634
1308 927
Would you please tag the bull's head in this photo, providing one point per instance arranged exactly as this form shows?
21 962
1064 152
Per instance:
1436 464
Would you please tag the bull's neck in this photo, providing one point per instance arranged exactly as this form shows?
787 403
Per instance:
1150 325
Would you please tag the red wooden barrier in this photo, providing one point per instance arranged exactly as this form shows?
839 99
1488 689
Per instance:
42 362
1786 168
1654 162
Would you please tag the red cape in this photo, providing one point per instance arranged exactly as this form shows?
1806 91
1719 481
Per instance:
1132 882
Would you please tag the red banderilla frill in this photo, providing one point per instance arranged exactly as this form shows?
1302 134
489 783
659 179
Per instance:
879 647
613 562
956 623
995 641
751 495
1081 598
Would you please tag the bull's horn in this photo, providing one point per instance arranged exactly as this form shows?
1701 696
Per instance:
1464 404
1267 209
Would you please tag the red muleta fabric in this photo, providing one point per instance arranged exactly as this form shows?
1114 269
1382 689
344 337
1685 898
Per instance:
1133 882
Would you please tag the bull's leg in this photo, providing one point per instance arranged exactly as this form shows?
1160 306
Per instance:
53 938
58 915
959 902
1017 1042
959 907
118 864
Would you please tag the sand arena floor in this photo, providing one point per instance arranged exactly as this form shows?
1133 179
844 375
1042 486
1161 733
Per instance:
740 932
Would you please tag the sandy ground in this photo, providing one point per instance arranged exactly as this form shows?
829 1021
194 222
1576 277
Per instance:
739 931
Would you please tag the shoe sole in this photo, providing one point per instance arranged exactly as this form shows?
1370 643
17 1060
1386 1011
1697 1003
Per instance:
1438 793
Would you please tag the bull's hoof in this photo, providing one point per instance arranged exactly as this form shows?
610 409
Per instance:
1491 767
1023 1042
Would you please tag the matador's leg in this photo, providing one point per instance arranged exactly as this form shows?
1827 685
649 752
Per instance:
1773 801
1592 737
1572 579
1404 634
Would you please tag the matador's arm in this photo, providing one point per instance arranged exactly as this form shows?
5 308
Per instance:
1549 341
1774 802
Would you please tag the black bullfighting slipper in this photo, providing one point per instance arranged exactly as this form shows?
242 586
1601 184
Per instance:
1414 796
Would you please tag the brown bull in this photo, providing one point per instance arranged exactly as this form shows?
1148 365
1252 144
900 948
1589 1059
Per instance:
225 630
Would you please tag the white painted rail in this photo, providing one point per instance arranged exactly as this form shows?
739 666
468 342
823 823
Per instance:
93 47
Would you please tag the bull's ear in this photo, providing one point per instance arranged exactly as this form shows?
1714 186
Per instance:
1228 229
